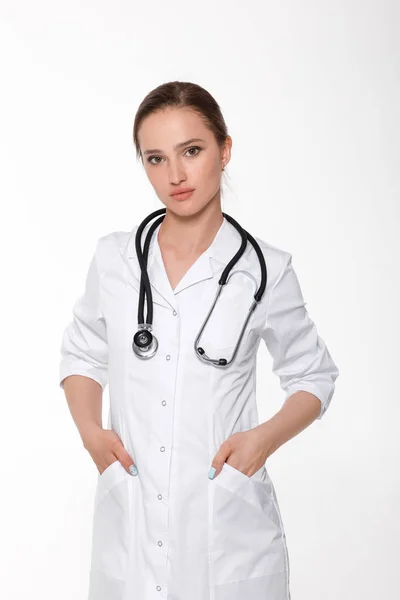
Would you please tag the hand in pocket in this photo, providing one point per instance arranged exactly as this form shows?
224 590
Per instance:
105 447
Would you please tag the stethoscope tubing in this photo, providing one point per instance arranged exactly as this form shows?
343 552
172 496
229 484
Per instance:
146 293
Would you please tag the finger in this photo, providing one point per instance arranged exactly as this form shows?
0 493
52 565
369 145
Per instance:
218 461
126 461
133 469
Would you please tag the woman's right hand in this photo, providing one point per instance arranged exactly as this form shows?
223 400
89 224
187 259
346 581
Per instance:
105 447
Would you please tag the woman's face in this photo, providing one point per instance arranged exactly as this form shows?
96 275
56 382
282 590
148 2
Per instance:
195 164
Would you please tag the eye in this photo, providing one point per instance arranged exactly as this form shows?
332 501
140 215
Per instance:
197 148
194 148
151 158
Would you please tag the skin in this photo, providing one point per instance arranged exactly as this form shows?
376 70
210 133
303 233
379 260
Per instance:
188 229
190 225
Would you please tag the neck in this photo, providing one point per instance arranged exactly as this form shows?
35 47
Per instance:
190 234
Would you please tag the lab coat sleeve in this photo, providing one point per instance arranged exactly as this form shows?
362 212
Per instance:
300 357
84 348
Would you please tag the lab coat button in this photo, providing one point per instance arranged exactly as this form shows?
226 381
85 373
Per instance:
168 357
163 403
158 588
159 496
162 449
159 542
174 313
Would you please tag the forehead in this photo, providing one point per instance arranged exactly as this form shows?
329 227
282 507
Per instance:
164 129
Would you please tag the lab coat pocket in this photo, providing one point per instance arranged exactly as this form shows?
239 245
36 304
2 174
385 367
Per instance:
248 344
231 311
112 521
247 535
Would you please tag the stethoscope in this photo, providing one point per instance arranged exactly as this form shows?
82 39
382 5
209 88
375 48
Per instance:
145 343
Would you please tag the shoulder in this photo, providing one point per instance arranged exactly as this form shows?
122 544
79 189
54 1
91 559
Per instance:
111 246
276 259
116 239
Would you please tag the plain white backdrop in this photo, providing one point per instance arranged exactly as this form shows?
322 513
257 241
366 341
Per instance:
310 92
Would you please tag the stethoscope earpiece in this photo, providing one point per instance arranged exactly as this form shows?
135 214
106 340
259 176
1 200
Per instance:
221 362
144 343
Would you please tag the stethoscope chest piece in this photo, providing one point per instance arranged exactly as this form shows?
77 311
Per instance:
144 343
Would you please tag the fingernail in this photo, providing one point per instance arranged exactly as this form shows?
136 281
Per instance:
212 472
133 470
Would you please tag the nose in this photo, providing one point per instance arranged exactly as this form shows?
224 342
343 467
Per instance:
176 172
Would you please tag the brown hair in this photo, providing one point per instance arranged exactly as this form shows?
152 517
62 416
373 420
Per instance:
179 94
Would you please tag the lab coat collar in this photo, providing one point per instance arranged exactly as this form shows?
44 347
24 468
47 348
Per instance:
210 264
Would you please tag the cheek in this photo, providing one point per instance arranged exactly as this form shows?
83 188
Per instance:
206 178
157 182
158 178
213 169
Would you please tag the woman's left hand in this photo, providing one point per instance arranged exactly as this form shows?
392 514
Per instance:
244 450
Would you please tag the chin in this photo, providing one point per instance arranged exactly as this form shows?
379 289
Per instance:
185 208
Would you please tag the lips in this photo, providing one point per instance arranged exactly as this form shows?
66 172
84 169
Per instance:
182 191
182 195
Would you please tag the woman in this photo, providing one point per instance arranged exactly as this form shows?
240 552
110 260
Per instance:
185 508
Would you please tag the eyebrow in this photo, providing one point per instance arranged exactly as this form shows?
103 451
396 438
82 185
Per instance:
177 146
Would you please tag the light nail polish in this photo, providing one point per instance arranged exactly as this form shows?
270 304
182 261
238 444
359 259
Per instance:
212 472
133 470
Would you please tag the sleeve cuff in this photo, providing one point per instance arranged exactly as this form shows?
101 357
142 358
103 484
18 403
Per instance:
323 392
85 372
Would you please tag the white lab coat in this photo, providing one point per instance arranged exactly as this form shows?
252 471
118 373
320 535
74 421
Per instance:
171 532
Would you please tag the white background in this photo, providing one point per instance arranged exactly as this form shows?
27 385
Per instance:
310 93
